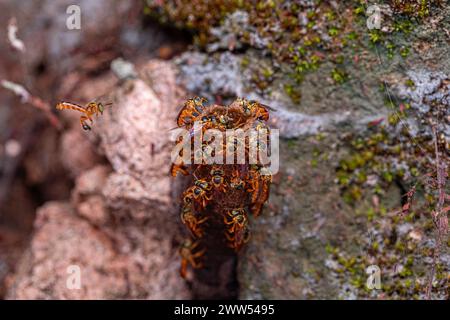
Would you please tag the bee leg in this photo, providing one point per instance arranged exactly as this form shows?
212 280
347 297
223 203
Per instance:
226 221
199 253
197 232
183 268
175 168
256 209
255 192
195 264
84 125
262 198
265 192
229 237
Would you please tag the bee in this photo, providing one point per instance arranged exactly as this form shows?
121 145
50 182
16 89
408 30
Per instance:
191 110
189 257
200 155
238 231
266 181
260 126
191 221
92 108
240 237
208 122
236 182
255 109
188 197
224 121
203 184
198 194
253 182
217 179
234 144
238 219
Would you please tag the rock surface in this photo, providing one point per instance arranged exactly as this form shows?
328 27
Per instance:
120 228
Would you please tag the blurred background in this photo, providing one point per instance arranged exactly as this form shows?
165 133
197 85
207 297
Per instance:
362 95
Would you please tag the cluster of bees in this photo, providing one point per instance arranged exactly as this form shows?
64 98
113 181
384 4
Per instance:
228 191
225 192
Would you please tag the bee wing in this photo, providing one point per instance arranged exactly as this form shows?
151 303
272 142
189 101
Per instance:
103 97
267 107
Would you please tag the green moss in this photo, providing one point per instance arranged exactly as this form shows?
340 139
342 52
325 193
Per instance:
293 92
409 83
299 48
339 76
292 143
375 36
404 52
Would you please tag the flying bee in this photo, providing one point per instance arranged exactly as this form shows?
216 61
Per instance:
191 110
92 108
191 221
189 257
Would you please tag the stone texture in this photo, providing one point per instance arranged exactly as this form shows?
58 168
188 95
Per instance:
121 227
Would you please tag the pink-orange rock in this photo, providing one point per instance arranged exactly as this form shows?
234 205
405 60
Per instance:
76 152
122 227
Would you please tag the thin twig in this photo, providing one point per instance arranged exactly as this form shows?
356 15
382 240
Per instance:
34 101
15 42
436 215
